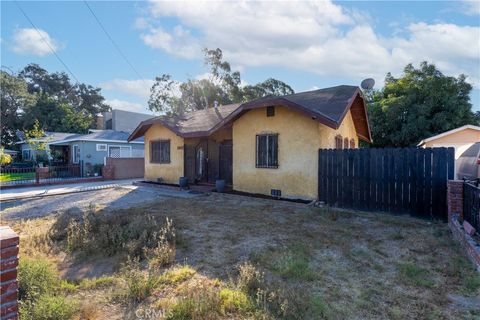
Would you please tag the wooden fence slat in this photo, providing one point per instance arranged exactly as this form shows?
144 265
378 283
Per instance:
405 180
427 199
451 163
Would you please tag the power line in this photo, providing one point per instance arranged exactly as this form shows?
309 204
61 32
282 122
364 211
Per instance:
47 43
112 41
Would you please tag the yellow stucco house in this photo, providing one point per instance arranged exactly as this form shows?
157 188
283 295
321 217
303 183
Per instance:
266 146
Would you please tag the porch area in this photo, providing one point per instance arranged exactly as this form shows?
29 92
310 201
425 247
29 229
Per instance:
209 159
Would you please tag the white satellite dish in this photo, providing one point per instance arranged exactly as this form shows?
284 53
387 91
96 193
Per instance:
367 84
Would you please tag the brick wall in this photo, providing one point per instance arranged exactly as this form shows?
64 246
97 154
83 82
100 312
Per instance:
124 168
455 218
9 242
455 198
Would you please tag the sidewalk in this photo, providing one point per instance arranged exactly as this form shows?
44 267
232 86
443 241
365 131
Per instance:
49 190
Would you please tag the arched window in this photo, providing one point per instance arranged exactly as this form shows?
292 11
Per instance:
338 141
345 143
352 143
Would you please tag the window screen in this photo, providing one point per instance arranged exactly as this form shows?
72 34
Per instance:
160 151
267 151
338 142
352 144
270 111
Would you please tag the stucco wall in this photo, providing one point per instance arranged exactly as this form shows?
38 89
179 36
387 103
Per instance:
169 172
299 138
461 141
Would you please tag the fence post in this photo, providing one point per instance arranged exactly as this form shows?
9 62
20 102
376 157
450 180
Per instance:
37 176
9 242
455 199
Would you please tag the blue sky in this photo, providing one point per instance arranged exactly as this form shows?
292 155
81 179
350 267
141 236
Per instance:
307 45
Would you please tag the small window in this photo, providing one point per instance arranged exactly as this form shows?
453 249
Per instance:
76 154
338 142
352 143
160 151
101 147
270 111
345 143
26 154
108 124
267 151
119 152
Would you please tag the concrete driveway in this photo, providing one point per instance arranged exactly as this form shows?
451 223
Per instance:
47 190
42 201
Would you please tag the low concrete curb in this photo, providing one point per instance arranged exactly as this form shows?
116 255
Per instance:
46 193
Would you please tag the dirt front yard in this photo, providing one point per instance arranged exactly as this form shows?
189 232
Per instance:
226 256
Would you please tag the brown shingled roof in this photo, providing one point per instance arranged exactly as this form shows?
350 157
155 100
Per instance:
194 124
329 106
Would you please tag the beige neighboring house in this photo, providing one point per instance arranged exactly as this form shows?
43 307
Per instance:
460 138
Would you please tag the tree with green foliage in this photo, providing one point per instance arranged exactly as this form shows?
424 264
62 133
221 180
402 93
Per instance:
421 103
14 98
37 140
81 98
35 94
222 85
5 158
53 115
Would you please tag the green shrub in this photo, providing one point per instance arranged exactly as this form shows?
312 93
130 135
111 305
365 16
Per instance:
101 233
295 264
177 275
36 277
48 307
98 283
139 284
249 278
232 300
200 302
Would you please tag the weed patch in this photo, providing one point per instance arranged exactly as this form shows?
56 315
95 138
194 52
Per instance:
414 275
294 264
39 284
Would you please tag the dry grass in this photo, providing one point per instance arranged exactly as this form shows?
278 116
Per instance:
305 263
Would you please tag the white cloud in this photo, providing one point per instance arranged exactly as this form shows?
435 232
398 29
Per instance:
179 42
127 106
319 37
29 41
471 7
139 88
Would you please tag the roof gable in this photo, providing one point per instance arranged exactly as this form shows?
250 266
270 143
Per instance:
329 106
449 132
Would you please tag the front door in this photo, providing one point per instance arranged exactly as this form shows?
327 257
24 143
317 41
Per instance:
226 161
201 162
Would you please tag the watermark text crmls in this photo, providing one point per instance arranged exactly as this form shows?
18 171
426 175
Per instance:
150 314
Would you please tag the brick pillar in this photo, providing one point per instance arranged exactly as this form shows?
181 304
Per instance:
41 173
108 172
9 242
455 198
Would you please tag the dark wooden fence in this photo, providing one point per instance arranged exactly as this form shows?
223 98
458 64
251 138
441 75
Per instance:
471 203
412 180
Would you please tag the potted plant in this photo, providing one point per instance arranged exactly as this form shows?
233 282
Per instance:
220 185
97 169
183 182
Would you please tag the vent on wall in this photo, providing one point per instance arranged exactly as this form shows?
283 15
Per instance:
276 193
270 111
